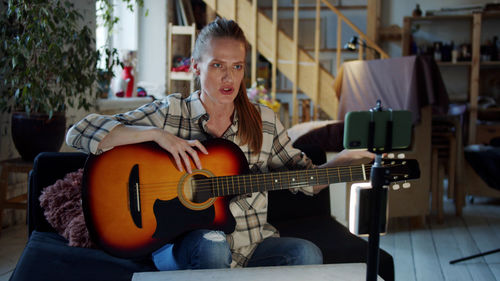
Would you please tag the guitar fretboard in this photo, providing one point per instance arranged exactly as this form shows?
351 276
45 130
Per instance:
241 184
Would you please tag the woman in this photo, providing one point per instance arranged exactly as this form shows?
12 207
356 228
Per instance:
220 109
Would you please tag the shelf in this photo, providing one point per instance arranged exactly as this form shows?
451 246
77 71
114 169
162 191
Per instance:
486 14
489 114
458 63
182 30
476 67
443 17
489 63
468 63
491 14
187 76
175 30
309 7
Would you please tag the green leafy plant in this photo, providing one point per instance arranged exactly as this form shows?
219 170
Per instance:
47 59
105 74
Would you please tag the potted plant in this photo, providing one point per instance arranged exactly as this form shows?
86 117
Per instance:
47 64
105 74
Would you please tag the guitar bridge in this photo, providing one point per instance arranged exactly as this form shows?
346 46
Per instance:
134 196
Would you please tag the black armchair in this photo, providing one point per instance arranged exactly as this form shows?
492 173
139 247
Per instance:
48 257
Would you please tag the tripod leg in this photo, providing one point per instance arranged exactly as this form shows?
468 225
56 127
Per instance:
475 256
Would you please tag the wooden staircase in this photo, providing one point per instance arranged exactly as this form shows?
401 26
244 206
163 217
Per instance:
284 54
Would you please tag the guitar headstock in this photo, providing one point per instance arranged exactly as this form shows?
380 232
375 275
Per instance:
401 169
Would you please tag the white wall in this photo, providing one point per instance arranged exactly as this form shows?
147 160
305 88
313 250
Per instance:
152 46
125 32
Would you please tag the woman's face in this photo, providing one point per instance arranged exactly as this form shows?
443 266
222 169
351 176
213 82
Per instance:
221 70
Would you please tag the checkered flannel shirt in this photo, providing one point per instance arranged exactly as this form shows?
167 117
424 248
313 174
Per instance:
187 119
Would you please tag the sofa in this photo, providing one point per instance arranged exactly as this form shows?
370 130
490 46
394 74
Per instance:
47 255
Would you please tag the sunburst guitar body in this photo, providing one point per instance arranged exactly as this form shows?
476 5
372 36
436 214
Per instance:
132 218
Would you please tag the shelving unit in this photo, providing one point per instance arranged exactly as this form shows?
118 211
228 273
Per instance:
179 30
475 21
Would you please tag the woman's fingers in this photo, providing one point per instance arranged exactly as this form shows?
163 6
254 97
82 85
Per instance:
185 157
182 150
200 146
194 153
177 161
187 152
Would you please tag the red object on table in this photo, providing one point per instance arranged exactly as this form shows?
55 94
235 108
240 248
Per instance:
127 76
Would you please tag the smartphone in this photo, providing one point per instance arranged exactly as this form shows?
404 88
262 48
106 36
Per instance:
357 129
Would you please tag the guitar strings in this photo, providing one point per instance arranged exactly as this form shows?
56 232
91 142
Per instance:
252 179
172 193
263 177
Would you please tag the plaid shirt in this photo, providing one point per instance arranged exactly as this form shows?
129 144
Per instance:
187 119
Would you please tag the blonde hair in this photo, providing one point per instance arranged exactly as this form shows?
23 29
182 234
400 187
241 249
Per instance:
249 120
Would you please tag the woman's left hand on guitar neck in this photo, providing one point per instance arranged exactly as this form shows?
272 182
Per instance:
346 158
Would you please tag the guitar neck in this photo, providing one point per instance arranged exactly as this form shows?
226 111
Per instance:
242 184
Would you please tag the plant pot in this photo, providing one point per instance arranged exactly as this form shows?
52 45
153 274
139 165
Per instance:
36 133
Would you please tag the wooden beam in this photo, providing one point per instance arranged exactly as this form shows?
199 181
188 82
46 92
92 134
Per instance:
210 14
274 69
405 39
339 42
361 51
235 11
317 38
169 57
474 76
295 109
373 24
254 42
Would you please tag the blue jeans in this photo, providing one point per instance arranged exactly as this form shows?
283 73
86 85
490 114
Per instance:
205 249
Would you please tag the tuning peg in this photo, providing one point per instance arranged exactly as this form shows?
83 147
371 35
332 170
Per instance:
406 185
395 186
390 155
401 156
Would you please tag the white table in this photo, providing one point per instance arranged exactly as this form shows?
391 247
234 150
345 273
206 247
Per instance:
323 272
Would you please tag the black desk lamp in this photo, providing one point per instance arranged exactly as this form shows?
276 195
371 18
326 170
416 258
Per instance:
354 42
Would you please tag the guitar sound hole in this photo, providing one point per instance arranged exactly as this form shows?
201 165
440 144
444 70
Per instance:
201 190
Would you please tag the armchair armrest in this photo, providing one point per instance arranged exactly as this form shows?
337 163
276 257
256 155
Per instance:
48 167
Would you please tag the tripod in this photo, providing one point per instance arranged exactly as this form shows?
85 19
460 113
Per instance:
475 256
373 130
378 179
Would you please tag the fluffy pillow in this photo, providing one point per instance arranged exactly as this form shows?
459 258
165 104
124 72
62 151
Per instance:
62 204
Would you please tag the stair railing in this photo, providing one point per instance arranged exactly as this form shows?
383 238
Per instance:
230 9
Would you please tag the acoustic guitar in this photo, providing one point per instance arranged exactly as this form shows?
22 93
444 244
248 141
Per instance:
135 200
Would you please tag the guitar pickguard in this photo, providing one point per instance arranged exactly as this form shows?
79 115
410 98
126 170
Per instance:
172 218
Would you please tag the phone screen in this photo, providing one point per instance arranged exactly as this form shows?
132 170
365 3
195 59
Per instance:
357 129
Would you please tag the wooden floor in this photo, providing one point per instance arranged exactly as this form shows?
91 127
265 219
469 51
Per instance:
424 253
420 254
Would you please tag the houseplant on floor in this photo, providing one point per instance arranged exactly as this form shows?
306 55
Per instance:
47 64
